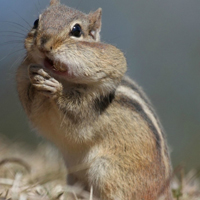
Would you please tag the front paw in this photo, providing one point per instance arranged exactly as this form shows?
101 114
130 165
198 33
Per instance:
43 82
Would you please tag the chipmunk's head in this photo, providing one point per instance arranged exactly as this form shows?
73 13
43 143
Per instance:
63 41
64 23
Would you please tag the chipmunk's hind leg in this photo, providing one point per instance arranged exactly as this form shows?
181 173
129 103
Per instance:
101 175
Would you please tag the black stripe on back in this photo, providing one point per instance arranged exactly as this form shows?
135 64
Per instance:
135 87
101 103
132 85
134 105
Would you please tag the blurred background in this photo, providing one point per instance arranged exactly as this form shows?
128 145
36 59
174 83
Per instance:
161 41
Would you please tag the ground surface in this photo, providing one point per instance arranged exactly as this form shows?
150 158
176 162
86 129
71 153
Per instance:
40 175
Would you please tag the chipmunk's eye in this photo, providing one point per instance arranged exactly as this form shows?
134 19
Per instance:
76 31
35 25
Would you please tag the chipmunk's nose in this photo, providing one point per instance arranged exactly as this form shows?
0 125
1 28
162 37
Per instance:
45 44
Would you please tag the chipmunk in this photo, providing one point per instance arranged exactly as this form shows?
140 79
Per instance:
75 93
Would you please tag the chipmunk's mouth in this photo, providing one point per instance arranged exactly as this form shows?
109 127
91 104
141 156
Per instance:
56 66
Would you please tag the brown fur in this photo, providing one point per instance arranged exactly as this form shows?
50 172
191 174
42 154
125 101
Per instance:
97 117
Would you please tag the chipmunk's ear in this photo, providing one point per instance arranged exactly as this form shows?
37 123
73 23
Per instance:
95 24
53 2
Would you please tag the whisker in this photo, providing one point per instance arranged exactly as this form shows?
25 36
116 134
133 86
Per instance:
11 42
13 36
22 18
25 58
16 62
10 54
15 32
15 23
37 8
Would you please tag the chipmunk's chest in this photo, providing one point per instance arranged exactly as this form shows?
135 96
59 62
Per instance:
57 125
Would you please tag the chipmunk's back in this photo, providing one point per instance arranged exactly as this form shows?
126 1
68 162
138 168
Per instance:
134 151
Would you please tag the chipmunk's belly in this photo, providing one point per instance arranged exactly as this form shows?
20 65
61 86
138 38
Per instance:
46 120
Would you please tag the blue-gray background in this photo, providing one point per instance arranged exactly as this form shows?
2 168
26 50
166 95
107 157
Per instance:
161 41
